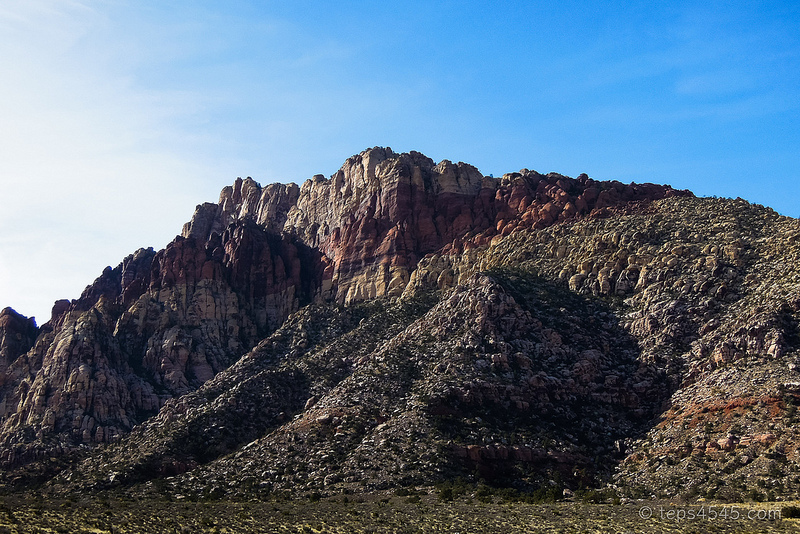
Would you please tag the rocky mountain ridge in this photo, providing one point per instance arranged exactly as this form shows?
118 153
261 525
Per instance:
382 212
405 322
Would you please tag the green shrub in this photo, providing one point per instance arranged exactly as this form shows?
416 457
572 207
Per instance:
546 494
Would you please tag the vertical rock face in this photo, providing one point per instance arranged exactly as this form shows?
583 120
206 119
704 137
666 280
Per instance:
376 217
17 334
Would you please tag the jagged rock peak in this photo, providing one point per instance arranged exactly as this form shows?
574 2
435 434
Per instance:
381 212
280 207
17 334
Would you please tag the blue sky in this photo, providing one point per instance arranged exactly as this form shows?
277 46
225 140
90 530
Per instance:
118 117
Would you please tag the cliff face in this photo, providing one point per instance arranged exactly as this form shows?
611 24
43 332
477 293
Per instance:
403 322
17 334
382 212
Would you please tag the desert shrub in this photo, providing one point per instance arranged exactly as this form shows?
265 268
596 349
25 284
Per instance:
446 494
483 493
788 512
546 494
594 496
449 490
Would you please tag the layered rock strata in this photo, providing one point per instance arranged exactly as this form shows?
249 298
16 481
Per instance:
382 212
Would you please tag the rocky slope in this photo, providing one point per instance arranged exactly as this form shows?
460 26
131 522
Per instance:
157 326
405 322
709 289
475 385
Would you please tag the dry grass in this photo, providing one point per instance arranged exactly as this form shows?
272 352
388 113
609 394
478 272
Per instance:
370 513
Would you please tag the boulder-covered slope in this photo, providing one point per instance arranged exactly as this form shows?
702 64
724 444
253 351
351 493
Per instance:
405 322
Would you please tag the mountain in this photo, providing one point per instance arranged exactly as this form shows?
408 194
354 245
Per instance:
405 322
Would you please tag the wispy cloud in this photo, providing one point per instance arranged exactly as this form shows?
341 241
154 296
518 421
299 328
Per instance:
84 174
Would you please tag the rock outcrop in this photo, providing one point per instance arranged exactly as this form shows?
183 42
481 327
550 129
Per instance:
382 212
17 334
479 382
157 326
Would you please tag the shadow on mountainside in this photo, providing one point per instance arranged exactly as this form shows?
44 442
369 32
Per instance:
556 404
261 393
510 379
